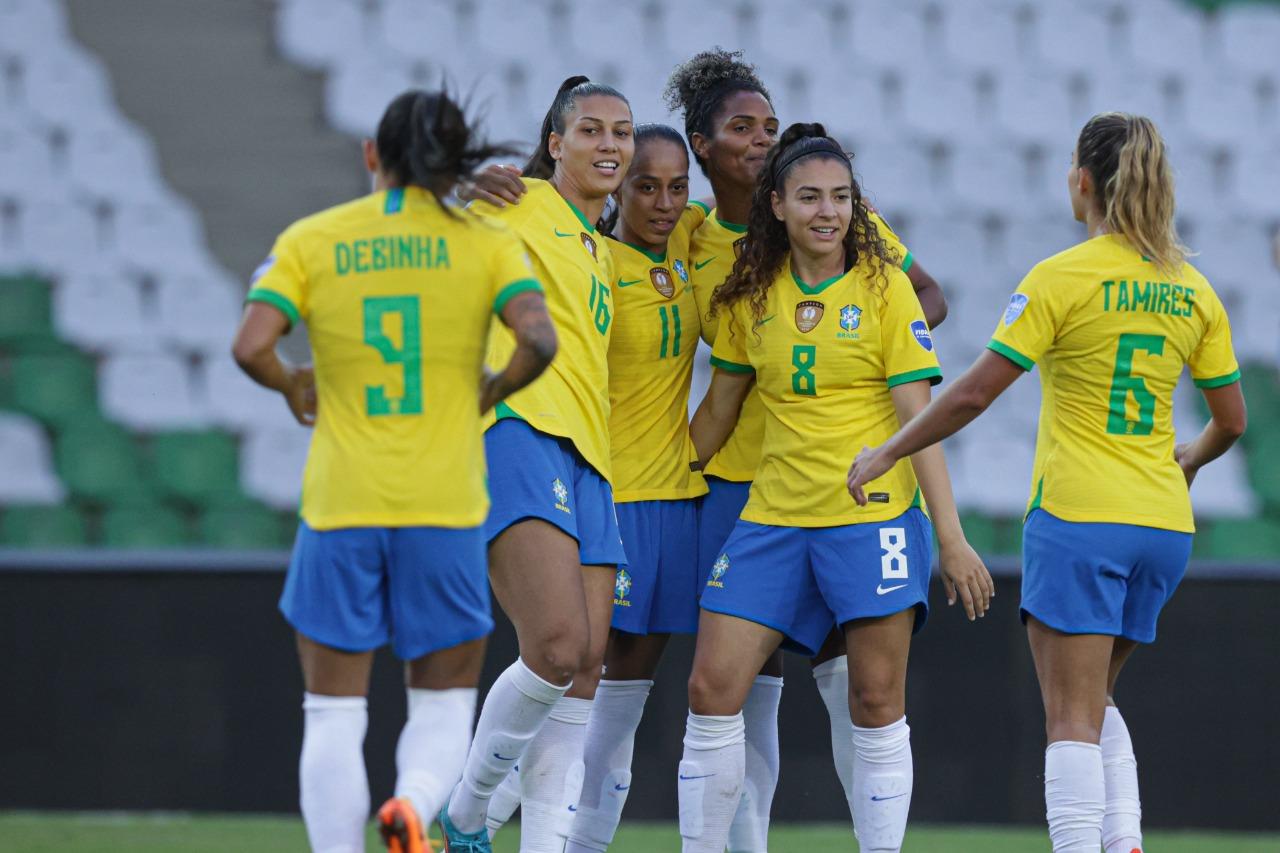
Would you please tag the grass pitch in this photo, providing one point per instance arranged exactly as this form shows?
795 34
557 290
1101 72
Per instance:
27 832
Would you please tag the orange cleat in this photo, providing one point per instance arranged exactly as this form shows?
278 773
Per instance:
400 828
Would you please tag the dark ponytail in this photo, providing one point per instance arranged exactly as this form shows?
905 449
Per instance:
424 140
540 164
767 244
644 133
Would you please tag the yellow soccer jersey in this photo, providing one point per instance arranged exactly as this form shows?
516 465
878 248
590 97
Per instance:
825 358
655 337
571 399
397 296
1111 339
716 245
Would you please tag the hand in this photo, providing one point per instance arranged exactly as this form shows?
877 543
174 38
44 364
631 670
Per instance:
300 393
870 464
963 572
1182 455
496 184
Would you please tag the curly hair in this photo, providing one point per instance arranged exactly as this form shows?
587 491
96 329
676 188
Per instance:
766 244
698 89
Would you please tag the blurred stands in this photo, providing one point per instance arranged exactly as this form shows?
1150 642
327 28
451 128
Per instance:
114 319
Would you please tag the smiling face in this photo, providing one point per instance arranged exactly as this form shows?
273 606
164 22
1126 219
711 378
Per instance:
745 128
816 204
655 192
596 147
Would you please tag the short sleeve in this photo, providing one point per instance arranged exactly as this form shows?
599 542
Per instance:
281 280
892 240
510 271
695 213
1030 323
730 350
905 340
1213 362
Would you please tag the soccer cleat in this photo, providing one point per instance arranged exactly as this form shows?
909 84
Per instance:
400 828
457 841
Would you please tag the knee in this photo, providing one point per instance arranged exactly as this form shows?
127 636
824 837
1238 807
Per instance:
559 656
710 694
875 704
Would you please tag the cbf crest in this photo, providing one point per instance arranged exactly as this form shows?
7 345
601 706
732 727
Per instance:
681 270
561 494
661 278
717 571
809 315
850 317
621 588
589 244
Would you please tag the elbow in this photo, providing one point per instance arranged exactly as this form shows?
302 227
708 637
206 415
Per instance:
244 354
939 312
544 346
1234 426
971 401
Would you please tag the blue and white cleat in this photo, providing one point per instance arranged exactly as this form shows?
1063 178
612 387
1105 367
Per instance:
456 841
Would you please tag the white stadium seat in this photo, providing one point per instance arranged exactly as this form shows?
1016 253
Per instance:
1248 35
26 464
979 37
1036 109
271 465
1179 30
419 29
149 392
26 165
358 91
884 34
29 26
161 236
197 314
101 312
1072 39
64 85
236 402
317 33
61 238
114 162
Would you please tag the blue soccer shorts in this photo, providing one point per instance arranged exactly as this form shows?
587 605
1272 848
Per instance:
657 592
422 589
536 475
802 580
718 515
1099 578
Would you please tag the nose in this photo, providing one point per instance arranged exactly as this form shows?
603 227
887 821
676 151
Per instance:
827 210
664 201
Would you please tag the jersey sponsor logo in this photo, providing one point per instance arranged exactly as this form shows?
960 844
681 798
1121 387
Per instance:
809 315
881 589
699 265
921 330
718 569
589 245
263 269
681 270
1017 304
621 588
878 497
662 282
625 283
850 317
561 494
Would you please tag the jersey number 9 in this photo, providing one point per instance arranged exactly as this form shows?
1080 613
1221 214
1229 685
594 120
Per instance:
408 355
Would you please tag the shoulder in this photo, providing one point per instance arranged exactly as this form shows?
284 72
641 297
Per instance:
330 219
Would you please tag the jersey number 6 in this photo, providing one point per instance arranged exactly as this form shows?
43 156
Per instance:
1124 383
408 355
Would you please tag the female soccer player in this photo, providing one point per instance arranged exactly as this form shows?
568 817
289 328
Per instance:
651 353
730 124
553 539
1108 529
397 291
817 316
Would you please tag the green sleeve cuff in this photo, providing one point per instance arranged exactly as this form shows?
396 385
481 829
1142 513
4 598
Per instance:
524 285
278 301
933 374
701 205
731 366
1219 381
908 261
1011 354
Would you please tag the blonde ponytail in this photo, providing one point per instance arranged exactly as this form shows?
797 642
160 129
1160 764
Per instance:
1126 156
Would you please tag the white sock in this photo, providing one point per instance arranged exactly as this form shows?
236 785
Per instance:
551 777
832 678
882 780
710 784
331 774
1122 822
504 802
606 777
517 706
433 747
1074 794
749 832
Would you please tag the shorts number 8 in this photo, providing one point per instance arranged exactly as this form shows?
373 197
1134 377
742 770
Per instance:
893 563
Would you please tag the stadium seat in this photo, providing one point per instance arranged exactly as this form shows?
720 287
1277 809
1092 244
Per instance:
115 163
1244 539
237 402
1023 243
149 392
884 33
358 91
780 27
142 526
271 465
998 468
686 28
196 467
980 37
1036 109
1071 39
990 179
55 387
1182 30
943 108
256 527
1257 184
1248 35
101 312
30 25
26 165
42 527
197 314
26 467
61 238
64 85
318 33
99 462
418 29
24 309
980 531
160 236
595 36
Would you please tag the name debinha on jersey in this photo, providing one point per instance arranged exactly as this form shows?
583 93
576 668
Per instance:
405 251
1154 297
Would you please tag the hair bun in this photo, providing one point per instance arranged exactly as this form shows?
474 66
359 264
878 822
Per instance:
573 82
801 130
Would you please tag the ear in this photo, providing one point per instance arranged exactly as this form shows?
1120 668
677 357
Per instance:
555 145
701 145
776 203
1084 179
370 152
